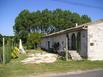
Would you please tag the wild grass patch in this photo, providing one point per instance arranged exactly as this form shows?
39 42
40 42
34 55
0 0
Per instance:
16 68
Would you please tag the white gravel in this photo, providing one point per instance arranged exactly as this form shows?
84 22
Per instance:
40 58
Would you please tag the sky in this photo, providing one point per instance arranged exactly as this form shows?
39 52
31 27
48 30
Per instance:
9 10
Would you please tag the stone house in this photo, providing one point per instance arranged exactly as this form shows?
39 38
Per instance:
86 39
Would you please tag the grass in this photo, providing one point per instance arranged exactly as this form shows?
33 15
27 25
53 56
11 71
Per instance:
15 68
35 51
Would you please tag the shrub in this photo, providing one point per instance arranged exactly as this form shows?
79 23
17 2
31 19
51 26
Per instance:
1 55
56 47
15 52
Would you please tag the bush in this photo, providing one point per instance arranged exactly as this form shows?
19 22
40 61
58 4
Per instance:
8 51
1 55
56 47
15 53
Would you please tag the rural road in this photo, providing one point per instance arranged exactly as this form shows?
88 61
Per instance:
93 73
87 74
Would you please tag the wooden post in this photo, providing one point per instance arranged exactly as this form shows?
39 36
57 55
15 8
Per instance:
3 51
66 49
12 43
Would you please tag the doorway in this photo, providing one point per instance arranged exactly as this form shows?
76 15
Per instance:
78 42
73 42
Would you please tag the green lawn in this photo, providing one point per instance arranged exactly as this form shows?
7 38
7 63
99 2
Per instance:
15 68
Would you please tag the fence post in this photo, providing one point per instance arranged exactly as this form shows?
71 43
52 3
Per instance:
3 51
66 49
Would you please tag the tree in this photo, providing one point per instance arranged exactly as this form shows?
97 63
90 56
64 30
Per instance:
36 21
33 39
1 39
85 19
23 25
45 21
46 16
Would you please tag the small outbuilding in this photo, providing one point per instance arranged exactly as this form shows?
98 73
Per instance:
85 39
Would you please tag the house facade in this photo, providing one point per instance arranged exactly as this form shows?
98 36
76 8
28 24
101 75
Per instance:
85 39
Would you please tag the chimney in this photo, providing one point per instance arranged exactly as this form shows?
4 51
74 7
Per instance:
76 24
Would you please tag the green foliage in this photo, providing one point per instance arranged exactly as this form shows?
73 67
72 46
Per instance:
22 25
8 39
45 21
1 39
8 45
33 39
1 47
15 53
7 51
85 19
1 54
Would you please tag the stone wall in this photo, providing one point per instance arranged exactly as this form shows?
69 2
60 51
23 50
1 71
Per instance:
83 51
54 39
95 42
62 41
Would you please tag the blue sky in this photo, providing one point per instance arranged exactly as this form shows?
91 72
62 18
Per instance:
9 9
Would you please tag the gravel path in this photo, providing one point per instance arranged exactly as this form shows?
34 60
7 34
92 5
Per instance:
40 58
